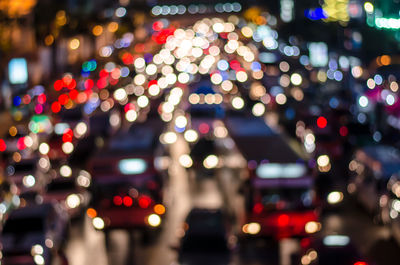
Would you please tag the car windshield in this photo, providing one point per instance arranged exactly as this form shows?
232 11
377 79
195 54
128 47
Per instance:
60 186
204 243
23 225
206 232
284 198
71 115
24 167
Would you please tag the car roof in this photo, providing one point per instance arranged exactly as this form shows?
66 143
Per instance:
257 141
40 210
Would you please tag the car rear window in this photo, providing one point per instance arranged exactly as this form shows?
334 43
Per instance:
23 225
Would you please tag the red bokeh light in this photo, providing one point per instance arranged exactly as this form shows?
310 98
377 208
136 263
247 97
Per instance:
305 242
152 82
283 220
128 201
3 145
144 201
71 84
73 94
129 106
157 26
343 131
58 85
38 108
235 65
89 84
41 98
204 128
161 36
102 83
26 99
117 200
258 208
21 143
322 122
103 73
63 99
139 48
56 107
127 58
68 135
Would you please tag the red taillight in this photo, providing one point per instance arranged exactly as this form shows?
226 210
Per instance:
258 208
117 200
144 201
128 201
152 185
305 243
204 128
360 263
283 220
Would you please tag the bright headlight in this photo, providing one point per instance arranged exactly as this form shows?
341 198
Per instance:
73 201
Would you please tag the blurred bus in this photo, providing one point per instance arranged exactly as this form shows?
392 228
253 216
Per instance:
279 194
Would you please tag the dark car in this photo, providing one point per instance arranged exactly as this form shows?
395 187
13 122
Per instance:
32 234
332 250
206 238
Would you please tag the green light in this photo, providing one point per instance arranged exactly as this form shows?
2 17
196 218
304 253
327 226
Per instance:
387 23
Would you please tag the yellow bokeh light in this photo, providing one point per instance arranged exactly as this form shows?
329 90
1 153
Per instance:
112 27
97 30
74 44
48 40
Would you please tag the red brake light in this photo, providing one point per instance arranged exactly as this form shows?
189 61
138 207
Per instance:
258 208
343 131
68 135
360 263
204 128
152 185
305 243
56 107
322 122
144 201
21 143
117 200
128 201
283 220
3 145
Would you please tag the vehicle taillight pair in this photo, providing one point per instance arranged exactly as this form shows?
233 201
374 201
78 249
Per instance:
126 200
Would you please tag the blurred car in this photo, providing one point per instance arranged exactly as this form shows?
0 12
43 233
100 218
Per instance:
99 123
71 192
206 238
127 187
391 207
279 194
9 200
75 119
201 152
30 197
332 250
32 234
15 142
204 107
371 169
127 205
26 174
